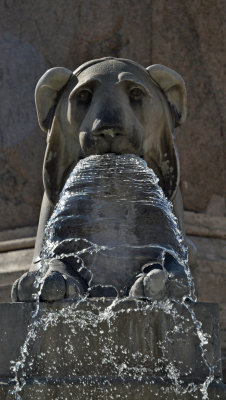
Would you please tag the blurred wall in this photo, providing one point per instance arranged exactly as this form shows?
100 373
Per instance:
39 34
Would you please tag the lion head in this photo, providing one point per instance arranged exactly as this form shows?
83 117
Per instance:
110 105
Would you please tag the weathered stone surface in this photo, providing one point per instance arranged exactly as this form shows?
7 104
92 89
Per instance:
38 35
12 265
204 225
21 183
210 273
17 244
18 233
216 206
222 309
15 261
17 107
211 280
20 195
210 248
190 38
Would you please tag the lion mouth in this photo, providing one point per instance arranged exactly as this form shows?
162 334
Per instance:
110 140
82 156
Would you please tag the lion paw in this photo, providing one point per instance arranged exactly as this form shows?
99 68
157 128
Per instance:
158 283
55 286
150 285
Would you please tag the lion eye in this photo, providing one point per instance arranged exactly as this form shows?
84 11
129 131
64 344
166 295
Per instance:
136 93
85 95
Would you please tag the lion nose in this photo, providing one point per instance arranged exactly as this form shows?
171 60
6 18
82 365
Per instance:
108 132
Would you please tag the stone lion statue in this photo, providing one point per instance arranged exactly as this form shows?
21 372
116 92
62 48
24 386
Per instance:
108 105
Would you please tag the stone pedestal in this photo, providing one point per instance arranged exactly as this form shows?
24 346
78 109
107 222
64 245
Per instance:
99 349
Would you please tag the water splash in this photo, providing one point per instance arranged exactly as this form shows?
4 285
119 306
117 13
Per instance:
112 212
124 186
93 345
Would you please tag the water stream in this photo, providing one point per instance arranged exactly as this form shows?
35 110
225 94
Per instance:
112 218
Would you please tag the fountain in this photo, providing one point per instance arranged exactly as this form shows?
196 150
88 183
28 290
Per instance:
108 309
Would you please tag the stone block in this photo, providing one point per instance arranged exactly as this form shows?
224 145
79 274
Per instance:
222 309
125 345
12 265
205 225
211 249
210 272
211 286
18 233
15 261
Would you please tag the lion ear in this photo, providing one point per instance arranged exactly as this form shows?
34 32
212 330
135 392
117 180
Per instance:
47 92
173 86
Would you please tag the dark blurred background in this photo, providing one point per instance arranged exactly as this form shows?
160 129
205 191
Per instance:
188 36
